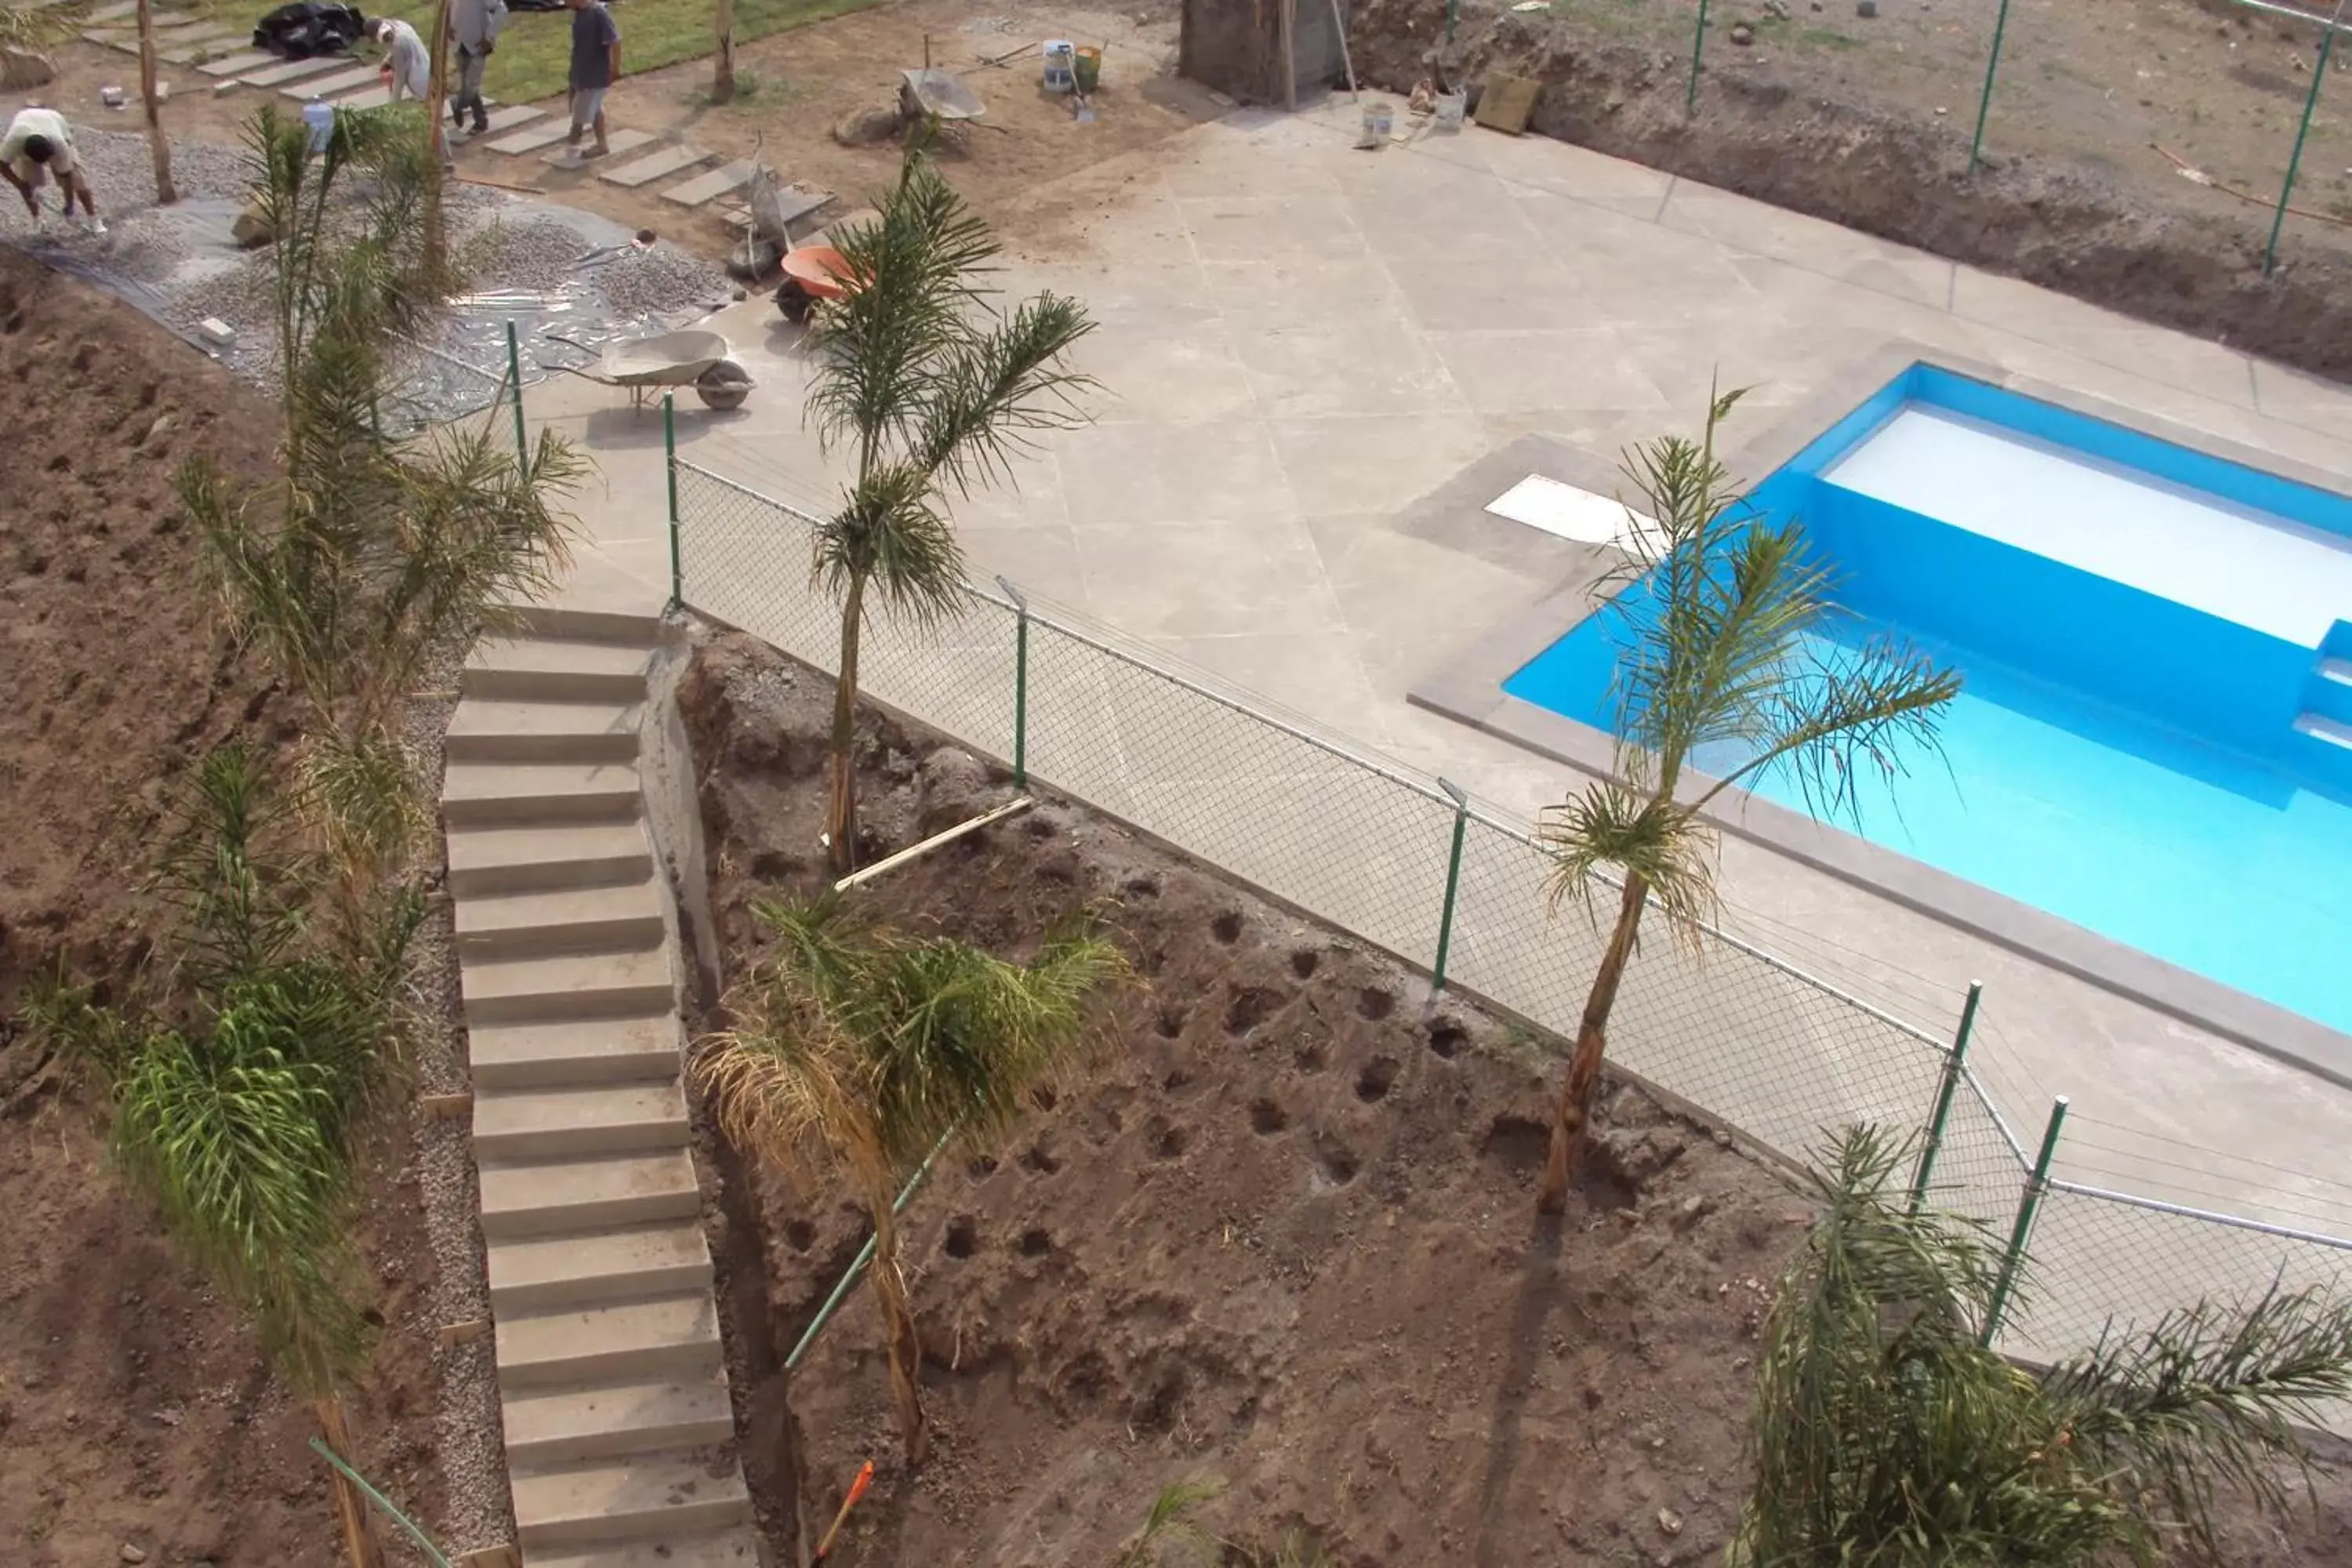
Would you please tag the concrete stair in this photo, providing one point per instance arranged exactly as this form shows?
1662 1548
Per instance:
618 1425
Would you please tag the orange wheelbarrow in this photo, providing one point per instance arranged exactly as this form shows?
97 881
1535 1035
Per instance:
811 273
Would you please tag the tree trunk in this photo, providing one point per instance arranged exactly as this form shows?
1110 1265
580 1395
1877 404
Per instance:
1570 1128
722 64
899 1331
840 815
158 146
359 1526
436 88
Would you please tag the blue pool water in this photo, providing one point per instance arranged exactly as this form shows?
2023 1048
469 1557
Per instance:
2154 736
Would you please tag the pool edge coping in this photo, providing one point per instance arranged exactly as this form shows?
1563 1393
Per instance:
1469 690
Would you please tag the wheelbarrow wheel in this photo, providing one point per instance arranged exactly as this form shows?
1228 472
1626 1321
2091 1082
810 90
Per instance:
724 386
795 301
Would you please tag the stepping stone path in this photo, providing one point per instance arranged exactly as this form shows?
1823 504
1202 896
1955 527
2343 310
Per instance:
611 1378
620 141
186 47
375 97
718 183
329 86
668 161
512 115
293 70
237 65
533 140
113 13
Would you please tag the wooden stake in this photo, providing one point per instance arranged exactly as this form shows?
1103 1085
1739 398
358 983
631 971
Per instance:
159 146
437 88
1341 22
444 1107
467 1333
722 63
359 1539
1285 21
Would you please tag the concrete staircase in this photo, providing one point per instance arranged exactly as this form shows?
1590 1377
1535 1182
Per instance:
619 1432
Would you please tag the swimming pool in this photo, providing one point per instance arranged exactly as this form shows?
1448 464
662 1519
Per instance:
2154 737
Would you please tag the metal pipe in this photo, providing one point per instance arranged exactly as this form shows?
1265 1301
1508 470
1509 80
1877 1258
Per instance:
424 1541
1955 1063
669 462
1984 103
1020 683
857 1264
2302 134
1699 49
2029 1203
1453 883
514 379
2183 1211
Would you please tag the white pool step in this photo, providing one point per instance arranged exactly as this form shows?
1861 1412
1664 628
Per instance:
2319 727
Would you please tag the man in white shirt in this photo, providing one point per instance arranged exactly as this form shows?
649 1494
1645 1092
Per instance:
39 143
409 68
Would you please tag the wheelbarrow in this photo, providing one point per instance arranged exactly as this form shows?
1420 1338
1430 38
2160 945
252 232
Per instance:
811 272
935 95
701 359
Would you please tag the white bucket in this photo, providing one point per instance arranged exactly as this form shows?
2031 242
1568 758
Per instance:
1450 107
1061 71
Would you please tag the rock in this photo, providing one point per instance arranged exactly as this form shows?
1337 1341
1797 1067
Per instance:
1865 8
1691 1210
951 786
1634 1157
253 228
21 69
132 1553
1670 1521
864 127
1776 9
1742 34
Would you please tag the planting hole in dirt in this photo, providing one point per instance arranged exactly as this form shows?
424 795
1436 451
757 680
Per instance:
1036 1243
1517 1142
1266 1118
1140 886
1041 1160
1304 962
963 1236
1227 927
800 1235
1337 1160
1170 1023
1311 1056
1446 1036
1372 1084
982 1168
1045 1100
1252 1006
1168 1139
1374 1004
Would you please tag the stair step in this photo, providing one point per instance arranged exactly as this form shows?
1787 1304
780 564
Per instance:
570 1270
575 1052
498 730
604 1119
617 1500
567 985
2338 670
540 1197
2320 728
489 861
730 1549
514 794
660 1336
608 614
619 918
555 1426
552 669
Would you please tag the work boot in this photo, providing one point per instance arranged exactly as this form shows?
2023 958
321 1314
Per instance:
481 123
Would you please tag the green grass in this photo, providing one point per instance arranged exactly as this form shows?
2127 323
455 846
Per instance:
534 54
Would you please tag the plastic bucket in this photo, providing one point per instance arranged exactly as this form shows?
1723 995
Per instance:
1059 75
1087 65
1450 107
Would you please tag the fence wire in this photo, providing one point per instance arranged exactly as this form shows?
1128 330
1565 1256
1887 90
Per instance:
1367 846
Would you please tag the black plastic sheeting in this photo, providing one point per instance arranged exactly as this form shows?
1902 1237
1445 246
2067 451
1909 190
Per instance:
309 28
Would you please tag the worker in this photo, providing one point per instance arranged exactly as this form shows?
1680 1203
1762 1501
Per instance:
39 143
473 27
408 69
595 66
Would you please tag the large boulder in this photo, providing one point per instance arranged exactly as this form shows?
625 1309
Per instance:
253 228
21 69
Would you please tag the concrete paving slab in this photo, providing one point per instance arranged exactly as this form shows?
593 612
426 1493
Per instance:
237 64
533 137
617 141
512 115
652 166
291 70
718 183
333 86
374 96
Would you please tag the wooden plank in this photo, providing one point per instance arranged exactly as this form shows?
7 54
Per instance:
1508 103
532 139
328 86
293 70
668 161
237 65
719 181
619 142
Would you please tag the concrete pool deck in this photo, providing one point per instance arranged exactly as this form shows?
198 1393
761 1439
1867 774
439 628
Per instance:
1302 345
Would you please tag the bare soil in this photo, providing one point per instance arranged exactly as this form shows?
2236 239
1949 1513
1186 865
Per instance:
136 1407
1868 123
1280 1234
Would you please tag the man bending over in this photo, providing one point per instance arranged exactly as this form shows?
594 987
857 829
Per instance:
39 143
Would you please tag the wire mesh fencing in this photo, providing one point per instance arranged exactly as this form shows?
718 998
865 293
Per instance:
1409 864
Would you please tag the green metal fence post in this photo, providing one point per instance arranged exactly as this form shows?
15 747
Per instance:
857 1264
1955 1063
2028 1203
2301 133
514 379
1984 103
670 461
424 1543
1699 49
1453 882
1020 683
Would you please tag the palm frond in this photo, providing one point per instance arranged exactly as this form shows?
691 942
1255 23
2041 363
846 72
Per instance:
230 870
997 392
1609 827
887 533
1169 1523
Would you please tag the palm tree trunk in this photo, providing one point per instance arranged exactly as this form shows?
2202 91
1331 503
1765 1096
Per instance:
359 1538
436 238
1571 1127
159 147
899 1331
722 66
840 815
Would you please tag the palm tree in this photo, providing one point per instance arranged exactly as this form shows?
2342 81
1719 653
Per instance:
933 389
159 146
723 57
862 1048
237 1114
1886 1435
1718 624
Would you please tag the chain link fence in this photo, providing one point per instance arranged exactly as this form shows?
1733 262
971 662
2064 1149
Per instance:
1462 893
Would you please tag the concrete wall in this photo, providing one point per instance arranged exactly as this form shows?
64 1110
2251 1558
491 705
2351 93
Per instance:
1235 46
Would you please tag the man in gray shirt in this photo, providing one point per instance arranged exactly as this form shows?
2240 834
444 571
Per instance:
595 65
473 27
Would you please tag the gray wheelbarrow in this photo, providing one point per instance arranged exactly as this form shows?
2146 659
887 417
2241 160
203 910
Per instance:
701 359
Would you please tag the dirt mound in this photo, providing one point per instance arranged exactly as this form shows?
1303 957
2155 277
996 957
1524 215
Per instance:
136 1407
1282 1235
1833 154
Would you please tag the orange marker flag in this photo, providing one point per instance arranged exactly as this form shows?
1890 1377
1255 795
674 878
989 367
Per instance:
856 1489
